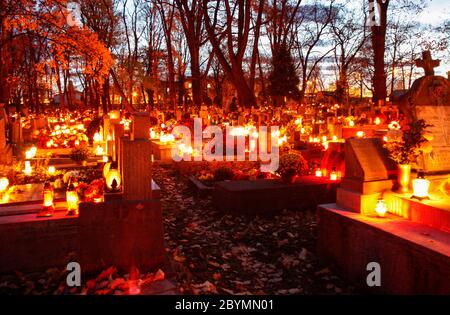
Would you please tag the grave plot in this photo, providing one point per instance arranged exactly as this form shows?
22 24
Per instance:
400 222
50 216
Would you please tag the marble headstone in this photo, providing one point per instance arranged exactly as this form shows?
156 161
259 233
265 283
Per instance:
429 99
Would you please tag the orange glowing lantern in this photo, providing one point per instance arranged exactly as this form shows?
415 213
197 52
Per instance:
360 134
99 150
113 179
377 121
72 200
48 207
381 208
28 169
351 123
97 137
420 187
29 154
114 114
318 172
51 170
4 183
333 174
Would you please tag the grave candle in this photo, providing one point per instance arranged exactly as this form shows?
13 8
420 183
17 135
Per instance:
420 187
99 150
97 137
28 169
51 170
48 206
113 178
72 200
381 208
333 174
4 183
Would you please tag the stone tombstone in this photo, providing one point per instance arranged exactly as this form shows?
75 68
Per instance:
17 136
5 149
118 134
429 99
366 166
106 126
136 168
2 133
124 234
367 175
140 126
135 160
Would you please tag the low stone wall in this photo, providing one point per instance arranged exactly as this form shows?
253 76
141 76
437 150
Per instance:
119 233
413 258
269 196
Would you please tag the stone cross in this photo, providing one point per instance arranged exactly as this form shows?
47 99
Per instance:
427 63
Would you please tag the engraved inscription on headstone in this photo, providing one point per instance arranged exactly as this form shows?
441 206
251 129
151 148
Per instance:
439 117
364 160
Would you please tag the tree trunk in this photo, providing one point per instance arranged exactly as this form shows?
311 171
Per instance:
128 106
197 96
379 46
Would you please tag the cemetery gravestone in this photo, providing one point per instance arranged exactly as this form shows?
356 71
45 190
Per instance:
366 174
5 149
429 99
135 160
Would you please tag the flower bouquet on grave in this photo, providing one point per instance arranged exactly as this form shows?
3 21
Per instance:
292 165
405 149
80 154
92 192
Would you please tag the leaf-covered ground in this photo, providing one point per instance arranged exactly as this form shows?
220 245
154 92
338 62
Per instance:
209 253
229 254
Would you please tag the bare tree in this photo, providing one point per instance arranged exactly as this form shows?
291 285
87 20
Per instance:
311 31
349 34
228 24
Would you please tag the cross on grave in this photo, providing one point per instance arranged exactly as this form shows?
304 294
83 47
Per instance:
427 63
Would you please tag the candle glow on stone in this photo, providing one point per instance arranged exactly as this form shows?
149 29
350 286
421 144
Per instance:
4 183
381 208
51 170
28 169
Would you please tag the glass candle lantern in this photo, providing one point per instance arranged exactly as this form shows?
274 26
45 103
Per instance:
113 179
28 170
381 208
420 187
4 183
333 174
51 170
48 207
72 200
